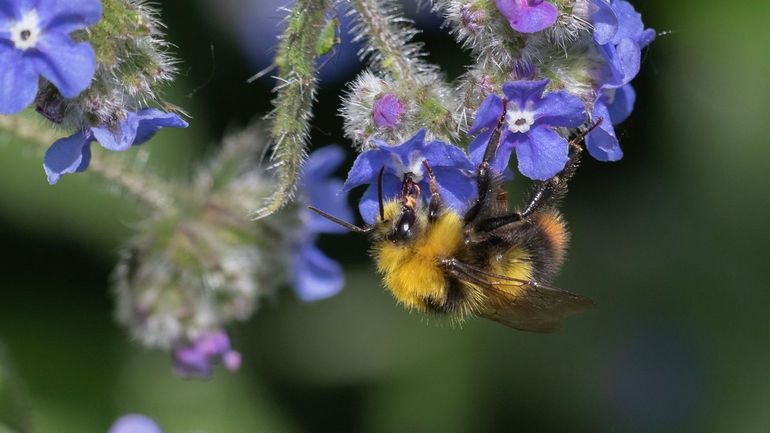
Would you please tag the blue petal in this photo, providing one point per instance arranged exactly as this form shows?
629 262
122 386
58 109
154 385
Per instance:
119 137
457 188
488 114
150 120
68 65
325 192
188 361
136 128
8 12
18 80
647 37
404 151
519 92
134 423
560 109
322 163
478 147
66 16
440 154
622 104
604 21
611 73
367 167
369 206
328 197
535 18
67 155
315 275
527 18
601 142
630 24
542 153
629 58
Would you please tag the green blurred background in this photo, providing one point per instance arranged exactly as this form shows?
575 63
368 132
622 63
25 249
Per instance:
672 243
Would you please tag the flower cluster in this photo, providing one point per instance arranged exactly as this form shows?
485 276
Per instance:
199 263
543 70
97 83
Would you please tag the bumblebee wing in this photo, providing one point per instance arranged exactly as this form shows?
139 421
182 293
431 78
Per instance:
523 305
535 308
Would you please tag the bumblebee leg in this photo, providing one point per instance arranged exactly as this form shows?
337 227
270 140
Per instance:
552 190
435 205
484 175
548 192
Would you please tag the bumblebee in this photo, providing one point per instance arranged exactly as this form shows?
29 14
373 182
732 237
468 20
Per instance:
490 262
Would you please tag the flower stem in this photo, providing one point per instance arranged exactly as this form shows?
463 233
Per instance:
149 189
293 103
390 45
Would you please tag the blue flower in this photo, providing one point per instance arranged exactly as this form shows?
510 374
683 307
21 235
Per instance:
197 358
315 276
72 154
528 128
135 423
454 172
528 16
34 41
623 52
613 106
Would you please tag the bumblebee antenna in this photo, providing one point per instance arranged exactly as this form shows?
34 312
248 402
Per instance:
334 219
380 194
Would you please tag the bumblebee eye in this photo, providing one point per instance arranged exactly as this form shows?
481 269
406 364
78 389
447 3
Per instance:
403 228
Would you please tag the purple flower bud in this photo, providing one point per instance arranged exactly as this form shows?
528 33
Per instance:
487 84
473 17
232 360
524 70
528 16
388 111
197 359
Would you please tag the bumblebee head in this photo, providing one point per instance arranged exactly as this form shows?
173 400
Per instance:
400 219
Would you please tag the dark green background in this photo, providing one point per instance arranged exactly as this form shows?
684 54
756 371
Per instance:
672 243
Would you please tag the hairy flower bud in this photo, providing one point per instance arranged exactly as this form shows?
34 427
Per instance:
394 111
201 263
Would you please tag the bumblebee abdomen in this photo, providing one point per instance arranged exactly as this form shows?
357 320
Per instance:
551 243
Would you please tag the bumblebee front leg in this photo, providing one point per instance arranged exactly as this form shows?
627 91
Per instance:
552 190
546 193
435 204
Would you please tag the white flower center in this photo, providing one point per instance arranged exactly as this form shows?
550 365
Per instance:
25 33
414 166
518 120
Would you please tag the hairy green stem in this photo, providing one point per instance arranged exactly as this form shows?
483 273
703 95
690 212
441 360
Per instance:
293 103
149 189
389 43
